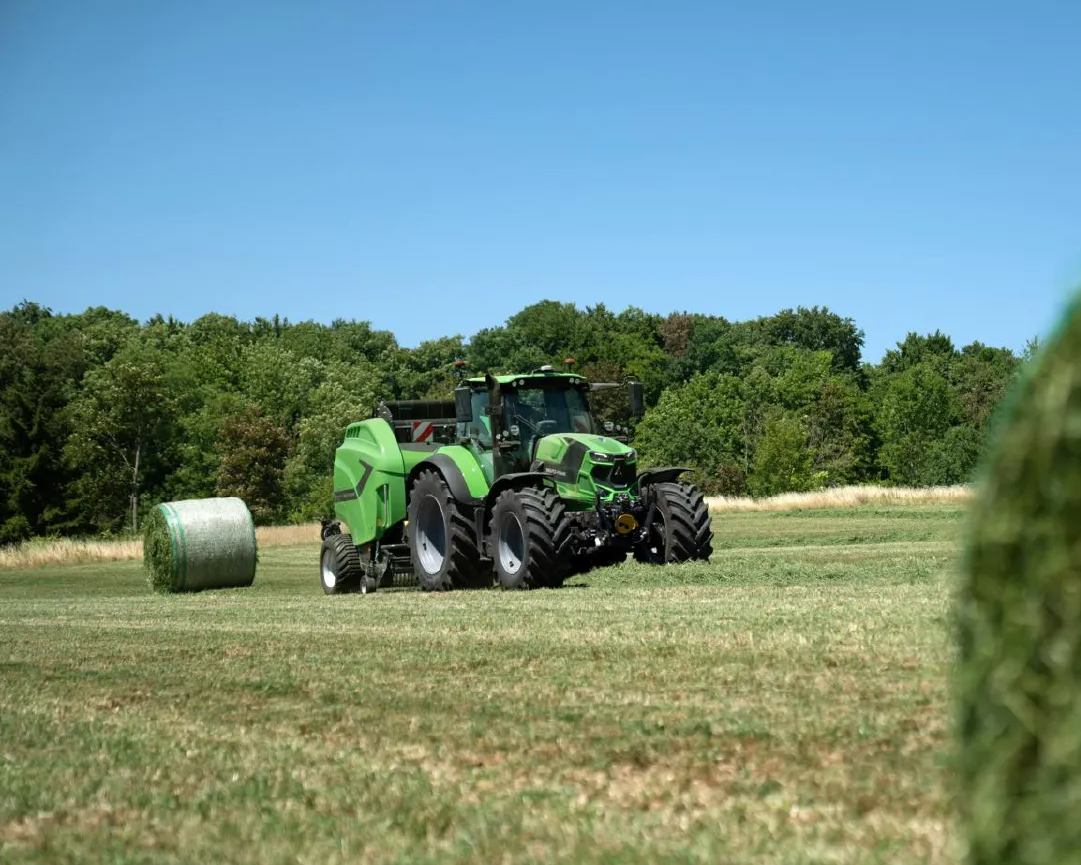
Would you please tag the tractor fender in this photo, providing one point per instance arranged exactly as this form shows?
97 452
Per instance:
514 482
661 475
450 473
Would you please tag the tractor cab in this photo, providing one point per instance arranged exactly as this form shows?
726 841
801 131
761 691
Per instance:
508 416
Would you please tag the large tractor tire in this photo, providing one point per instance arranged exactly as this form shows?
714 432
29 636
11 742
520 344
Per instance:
530 539
680 528
340 570
442 540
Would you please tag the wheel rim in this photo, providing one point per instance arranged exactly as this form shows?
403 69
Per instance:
511 544
330 579
431 536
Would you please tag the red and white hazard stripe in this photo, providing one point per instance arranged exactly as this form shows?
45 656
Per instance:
422 430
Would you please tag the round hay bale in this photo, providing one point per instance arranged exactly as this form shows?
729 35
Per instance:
1018 683
199 544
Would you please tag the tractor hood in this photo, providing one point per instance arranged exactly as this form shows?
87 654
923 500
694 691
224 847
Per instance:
572 457
558 446
598 444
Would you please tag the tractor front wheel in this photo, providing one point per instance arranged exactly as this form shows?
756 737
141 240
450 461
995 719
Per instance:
339 565
530 539
442 539
679 530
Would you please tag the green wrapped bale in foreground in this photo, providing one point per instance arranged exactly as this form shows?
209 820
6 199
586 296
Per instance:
1019 616
199 544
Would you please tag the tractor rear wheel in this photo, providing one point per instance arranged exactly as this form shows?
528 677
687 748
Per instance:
679 531
442 540
530 539
339 565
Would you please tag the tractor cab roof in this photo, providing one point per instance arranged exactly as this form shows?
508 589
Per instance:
534 378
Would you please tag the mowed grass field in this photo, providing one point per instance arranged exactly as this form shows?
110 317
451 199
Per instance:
784 703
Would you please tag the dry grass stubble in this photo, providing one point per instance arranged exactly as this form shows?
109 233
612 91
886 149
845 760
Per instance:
51 553
65 551
845 497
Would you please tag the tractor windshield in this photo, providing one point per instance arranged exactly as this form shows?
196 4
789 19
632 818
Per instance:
536 410
546 410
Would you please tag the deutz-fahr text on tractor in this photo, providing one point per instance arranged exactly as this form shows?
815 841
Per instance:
513 481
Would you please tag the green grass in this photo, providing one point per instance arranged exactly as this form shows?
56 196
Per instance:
785 703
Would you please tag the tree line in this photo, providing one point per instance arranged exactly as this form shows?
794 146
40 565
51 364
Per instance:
102 416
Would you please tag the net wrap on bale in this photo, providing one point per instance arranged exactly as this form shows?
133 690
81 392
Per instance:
199 544
1019 624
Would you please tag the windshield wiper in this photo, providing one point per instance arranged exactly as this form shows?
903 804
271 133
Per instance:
518 417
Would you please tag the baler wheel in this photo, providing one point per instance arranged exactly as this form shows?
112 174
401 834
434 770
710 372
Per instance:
340 568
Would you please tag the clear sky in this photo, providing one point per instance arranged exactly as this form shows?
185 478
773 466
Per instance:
433 167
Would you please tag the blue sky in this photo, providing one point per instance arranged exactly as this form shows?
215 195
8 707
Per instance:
435 166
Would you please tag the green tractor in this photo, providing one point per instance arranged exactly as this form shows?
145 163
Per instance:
513 481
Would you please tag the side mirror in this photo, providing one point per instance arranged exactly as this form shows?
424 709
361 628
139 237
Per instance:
463 405
638 404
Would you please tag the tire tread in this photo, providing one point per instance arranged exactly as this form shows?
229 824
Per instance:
347 565
463 569
689 537
548 536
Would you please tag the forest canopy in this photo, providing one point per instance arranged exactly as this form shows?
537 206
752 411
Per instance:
102 416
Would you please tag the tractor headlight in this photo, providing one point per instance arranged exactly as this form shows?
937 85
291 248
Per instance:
601 457
630 455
